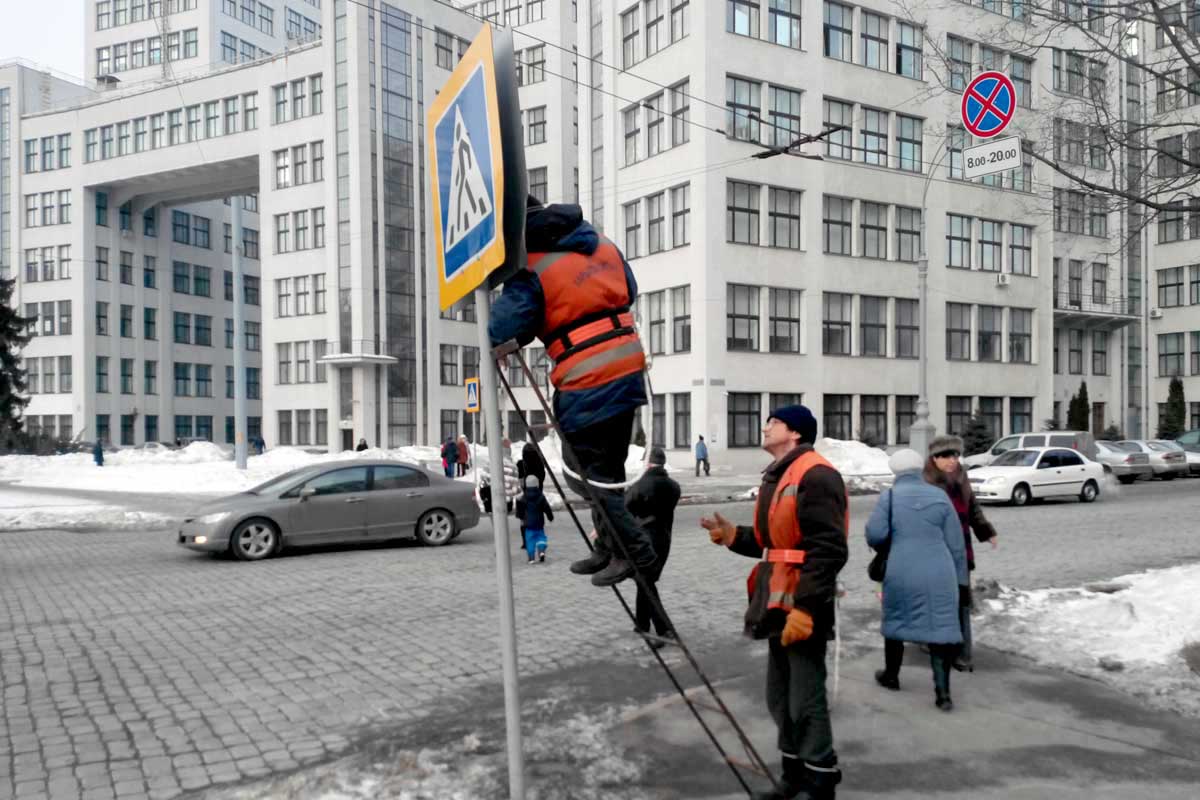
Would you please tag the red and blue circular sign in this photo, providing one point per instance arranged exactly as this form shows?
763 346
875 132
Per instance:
988 104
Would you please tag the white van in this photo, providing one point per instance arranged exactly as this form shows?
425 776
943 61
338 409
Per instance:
1076 440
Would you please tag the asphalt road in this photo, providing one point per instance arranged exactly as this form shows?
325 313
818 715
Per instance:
133 668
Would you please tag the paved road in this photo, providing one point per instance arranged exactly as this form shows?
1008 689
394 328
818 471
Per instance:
132 668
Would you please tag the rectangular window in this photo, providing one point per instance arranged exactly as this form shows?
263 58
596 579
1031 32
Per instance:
741 317
1020 414
449 364
873 230
656 314
655 223
874 32
872 415
203 330
839 30
784 218
680 112
958 331
126 321
741 17
1075 352
681 215
630 32
535 125
784 115
835 323
836 225
784 320
958 62
783 23
990 247
741 212
907 340
102 374
1020 335
681 412
64 317
989 333
908 233
873 326
101 263
958 415
874 136
319 366
539 184
183 328
744 419
102 209
743 100
910 143
836 422
1099 352
1170 355
633 229
909 55
839 143
958 241
681 319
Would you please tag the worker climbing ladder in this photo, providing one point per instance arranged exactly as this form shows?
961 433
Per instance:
709 700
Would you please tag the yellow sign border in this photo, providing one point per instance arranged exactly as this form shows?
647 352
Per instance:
467 388
487 260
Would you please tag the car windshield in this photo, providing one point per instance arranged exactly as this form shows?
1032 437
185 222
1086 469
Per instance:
1017 458
280 481
1165 447
1124 447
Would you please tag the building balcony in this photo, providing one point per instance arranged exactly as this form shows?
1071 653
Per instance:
1086 310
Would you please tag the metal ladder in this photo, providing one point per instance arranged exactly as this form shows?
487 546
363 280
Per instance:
711 701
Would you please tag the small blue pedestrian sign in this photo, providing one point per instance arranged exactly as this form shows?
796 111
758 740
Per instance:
468 174
472 395
988 104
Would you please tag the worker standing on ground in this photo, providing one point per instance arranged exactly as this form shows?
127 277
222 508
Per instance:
799 532
576 295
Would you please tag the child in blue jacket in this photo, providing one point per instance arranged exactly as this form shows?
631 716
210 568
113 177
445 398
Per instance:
534 510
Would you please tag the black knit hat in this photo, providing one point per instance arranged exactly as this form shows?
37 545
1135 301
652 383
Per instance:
799 419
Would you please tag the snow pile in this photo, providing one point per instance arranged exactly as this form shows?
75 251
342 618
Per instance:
1132 637
24 512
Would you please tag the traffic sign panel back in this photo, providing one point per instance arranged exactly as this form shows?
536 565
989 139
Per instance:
988 104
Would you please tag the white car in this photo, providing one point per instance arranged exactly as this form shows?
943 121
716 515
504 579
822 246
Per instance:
1019 476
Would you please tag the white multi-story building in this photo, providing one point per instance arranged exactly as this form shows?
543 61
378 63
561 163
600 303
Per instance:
767 280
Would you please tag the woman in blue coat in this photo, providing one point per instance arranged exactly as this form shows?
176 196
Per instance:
926 565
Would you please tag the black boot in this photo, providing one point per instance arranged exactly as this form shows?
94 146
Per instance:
791 782
940 658
616 571
597 561
820 780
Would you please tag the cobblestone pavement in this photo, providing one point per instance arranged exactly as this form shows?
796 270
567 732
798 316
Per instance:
132 668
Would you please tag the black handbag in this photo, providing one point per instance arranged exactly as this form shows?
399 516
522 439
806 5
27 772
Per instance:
877 569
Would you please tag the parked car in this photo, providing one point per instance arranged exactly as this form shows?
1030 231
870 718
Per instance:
1190 442
330 503
1193 462
1124 461
1074 440
1166 458
1036 473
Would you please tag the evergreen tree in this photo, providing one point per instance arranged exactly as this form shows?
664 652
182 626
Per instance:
1172 421
1112 434
13 336
1079 410
977 438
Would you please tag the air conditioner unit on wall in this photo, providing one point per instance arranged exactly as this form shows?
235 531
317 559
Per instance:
1155 313
1003 279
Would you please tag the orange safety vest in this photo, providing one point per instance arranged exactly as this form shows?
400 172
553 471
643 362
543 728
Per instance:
781 542
588 327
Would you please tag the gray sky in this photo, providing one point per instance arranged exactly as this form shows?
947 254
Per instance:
47 32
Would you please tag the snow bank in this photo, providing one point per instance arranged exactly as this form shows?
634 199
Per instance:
24 512
1131 637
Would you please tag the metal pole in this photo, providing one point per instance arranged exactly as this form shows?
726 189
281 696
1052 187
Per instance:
239 341
488 395
922 430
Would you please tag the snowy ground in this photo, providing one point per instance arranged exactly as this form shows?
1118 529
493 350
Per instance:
1129 632
20 511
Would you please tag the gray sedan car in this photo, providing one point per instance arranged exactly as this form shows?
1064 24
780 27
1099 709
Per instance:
338 502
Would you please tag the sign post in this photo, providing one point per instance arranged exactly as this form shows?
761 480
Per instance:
472 407
477 176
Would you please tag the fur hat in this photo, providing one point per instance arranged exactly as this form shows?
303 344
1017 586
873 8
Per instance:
657 457
906 460
799 419
941 444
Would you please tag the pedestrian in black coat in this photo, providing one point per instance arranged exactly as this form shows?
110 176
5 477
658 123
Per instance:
652 501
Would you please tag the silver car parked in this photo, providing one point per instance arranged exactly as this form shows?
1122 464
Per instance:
1126 462
1166 458
338 502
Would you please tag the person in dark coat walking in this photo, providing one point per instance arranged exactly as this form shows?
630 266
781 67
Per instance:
944 470
531 464
652 500
926 565
701 456
449 456
98 453
799 536
534 510
362 445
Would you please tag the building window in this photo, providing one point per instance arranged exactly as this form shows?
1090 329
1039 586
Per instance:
658 420
743 99
784 320
681 215
744 419
741 17
535 125
874 32
1020 414
1170 287
958 62
1195 336
101 318
990 246
741 219
907 328
873 326
443 48
1170 354
991 411
1020 249
681 319
839 27
656 313
958 415
872 415
1099 282
835 323
958 331
784 218
538 184
655 223
1020 335
958 241
989 333
908 233
741 317
839 143
909 58
1099 352
837 417
836 224
681 412
784 115
873 230
874 136
633 229
909 142
630 32
1075 352
906 415
783 22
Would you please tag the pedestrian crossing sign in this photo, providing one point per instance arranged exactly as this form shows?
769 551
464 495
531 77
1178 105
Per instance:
467 174
472 395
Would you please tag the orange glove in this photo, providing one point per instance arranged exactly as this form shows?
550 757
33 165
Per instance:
720 530
799 626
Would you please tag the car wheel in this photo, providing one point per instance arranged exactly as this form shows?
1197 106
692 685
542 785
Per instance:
254 540
435 528
1020 495
1127 479
1168 476
1089 492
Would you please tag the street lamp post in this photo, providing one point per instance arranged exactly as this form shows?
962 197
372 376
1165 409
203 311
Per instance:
922 430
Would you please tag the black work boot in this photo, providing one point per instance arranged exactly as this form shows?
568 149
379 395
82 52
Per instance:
791 782
820 780
595 562
887 680
616 571
941 682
